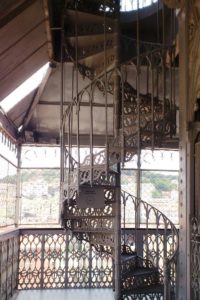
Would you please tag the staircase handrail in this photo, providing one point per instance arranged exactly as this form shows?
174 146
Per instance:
174 229
168 259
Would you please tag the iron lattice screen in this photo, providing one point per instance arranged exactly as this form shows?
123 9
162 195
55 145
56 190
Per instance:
55 259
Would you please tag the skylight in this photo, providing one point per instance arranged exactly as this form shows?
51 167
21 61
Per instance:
128 5
24 89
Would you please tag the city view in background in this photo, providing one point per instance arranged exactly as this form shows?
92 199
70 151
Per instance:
40 191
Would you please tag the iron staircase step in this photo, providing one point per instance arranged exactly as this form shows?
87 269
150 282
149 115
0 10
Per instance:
96 61
89 45
155 291
86 24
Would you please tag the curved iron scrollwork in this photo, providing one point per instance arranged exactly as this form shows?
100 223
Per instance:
159 249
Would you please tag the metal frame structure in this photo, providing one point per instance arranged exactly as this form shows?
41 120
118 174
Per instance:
142 118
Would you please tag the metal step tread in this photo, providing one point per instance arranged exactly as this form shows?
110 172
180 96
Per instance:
96 60
85 17
145 289
140 272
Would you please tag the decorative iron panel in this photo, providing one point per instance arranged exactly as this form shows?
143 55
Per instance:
3 273
78 271
9 248
31 261
101 269
55 259
54 271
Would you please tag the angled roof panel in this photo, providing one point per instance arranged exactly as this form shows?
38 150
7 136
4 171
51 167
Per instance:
23 48
17 113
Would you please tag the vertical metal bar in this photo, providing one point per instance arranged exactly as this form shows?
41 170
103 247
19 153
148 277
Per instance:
158 22
66 257
106 95
166 295
77 103
118 242
91 135
123 151
117 111
90 262
147 79
138 123
163 65
69 154
171 92
42 260
18 188
62 95
152 105
124 211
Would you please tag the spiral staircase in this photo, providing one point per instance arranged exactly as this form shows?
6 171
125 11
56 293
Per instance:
143 118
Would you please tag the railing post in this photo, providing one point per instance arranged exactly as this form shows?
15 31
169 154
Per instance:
166 280
117 266
42 260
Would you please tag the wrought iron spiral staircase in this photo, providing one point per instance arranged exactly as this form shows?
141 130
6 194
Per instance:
143 118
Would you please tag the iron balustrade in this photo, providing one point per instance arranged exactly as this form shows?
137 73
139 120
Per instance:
53 258
9 248
154 238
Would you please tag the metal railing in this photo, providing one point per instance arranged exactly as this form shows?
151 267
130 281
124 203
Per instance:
53 258
153 237
9 247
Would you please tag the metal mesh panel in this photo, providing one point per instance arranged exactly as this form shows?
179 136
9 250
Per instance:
53 259
40 196
8 183
78 264
101 272
30 261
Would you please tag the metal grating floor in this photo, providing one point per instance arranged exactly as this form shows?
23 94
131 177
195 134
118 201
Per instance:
67 294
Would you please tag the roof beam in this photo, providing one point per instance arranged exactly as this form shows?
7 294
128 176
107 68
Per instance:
12 9
8 126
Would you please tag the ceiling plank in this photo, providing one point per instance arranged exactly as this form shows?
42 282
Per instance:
10 9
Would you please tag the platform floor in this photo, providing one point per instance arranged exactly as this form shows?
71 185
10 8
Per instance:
68 294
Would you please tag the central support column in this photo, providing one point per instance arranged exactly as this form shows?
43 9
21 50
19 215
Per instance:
117 125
